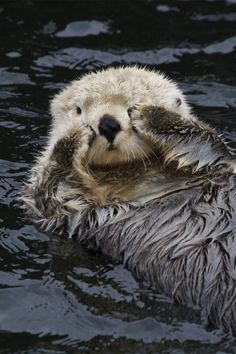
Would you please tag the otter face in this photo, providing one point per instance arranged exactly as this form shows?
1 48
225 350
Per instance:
104 101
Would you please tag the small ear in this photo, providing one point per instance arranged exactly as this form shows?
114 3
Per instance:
178 102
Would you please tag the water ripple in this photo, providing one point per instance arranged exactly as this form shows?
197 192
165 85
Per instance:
83 29
14 78
56 297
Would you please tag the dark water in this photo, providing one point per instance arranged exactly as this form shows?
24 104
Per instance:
54 296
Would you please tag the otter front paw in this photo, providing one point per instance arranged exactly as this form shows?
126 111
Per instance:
76 143
64 149
147 119
87 136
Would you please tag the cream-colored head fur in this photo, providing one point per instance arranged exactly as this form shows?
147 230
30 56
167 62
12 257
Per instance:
113 92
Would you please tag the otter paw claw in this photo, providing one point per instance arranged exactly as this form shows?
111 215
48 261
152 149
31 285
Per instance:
138 119
86 140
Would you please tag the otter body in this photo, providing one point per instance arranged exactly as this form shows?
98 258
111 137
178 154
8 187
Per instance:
130 171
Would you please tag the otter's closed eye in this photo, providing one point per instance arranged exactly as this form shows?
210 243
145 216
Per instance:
78 110
129 111
178 102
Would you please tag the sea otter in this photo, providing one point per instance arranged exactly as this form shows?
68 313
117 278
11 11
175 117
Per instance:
129 170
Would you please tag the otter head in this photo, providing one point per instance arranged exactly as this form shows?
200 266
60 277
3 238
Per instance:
104 101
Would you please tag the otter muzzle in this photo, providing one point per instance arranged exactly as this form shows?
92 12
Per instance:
109 127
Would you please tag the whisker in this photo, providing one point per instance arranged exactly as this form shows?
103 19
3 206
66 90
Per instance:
132 151
126 153
145 155
142 152
137 149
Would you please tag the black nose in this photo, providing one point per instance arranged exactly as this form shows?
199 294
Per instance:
109 127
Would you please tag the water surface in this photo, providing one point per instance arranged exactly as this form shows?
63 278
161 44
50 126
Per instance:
56 297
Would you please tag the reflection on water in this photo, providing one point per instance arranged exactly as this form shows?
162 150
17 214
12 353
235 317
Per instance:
54 296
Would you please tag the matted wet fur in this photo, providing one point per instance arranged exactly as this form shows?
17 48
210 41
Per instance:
160 198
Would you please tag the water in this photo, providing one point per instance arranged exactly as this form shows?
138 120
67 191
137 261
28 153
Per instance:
54 296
